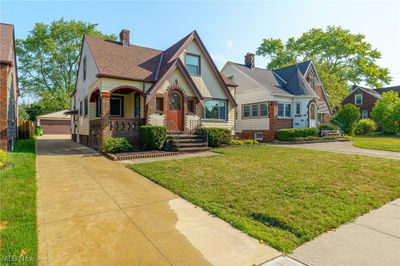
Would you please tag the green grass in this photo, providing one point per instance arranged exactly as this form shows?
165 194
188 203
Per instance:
377 143
282 196
18 206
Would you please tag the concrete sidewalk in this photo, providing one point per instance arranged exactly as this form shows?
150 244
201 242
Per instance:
372 239
343 147
93 211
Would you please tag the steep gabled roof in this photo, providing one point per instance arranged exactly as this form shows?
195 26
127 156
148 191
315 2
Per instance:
386 89
114 60
146 64
297 85
287 72
6 43
176 64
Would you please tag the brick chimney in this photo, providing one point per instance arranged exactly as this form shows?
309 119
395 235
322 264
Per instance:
124 37
249 60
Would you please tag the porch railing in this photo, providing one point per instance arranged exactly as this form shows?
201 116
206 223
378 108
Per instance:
126 128
173 129
197 127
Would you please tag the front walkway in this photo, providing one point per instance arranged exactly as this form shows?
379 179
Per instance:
95 211
372 239
344 147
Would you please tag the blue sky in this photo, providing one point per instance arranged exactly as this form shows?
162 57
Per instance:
229 29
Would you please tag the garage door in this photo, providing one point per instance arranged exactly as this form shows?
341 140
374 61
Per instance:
55 126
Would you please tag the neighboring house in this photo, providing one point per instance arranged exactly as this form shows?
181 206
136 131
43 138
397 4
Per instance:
8 88
55 123
365 98
121 86
290 97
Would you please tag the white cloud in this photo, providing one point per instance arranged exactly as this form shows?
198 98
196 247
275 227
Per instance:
229 44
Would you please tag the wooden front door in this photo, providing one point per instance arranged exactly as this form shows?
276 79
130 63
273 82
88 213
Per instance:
175 111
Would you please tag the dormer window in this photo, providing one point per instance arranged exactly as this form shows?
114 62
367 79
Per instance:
84 68
358 99
193 64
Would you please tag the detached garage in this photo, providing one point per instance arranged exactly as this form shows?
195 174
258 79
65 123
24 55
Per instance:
55 123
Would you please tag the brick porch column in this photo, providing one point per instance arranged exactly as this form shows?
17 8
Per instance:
105 115
3 107
272 115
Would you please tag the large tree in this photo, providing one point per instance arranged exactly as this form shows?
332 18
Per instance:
48 61
341 58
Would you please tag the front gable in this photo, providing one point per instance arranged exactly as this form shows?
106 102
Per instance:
207 81
315 82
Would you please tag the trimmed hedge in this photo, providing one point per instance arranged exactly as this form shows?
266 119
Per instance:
217 136
324 126
153 137
289 134
114 145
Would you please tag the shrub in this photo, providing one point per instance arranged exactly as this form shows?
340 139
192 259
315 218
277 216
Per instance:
114 145
347 118
153 137
250 142
324 126
236 142
387 112
289 134
3 158
217 136
365 126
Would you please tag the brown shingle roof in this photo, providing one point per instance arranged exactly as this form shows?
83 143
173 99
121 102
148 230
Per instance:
6 42
133 62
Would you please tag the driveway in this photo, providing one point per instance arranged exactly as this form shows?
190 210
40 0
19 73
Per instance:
95 211
372 239
343 147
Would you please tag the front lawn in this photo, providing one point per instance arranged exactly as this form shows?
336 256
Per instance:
18 206
377 143
282 196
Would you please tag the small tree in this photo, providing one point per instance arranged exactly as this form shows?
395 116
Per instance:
347 118
365 126
387 112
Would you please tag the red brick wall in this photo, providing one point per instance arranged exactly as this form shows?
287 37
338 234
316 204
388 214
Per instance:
368 101
3 106
284 123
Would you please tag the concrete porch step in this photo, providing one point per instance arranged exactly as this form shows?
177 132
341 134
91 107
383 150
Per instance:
193 144
194 149
183 136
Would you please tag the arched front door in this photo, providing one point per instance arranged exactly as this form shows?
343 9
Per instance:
175 111
312 115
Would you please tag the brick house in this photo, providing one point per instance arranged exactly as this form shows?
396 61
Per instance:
8 88
290 97
365 98
121 86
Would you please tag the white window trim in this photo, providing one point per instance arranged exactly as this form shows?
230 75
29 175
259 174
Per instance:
216 119
355 99
298 113
285 104
250 105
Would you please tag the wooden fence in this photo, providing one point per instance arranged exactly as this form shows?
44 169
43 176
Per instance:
26 129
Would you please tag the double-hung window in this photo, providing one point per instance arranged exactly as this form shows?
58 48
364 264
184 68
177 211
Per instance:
298 109
193 64
116 106
255 110
215 109
284 110
358 99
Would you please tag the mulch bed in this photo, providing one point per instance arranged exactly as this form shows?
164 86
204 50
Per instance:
139 155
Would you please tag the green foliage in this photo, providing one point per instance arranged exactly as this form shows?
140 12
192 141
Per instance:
114 145
341 59
387 112
218 136
3 158
153 137
347 118
365 126
48 61
325 126
236 142
288 134
250 142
